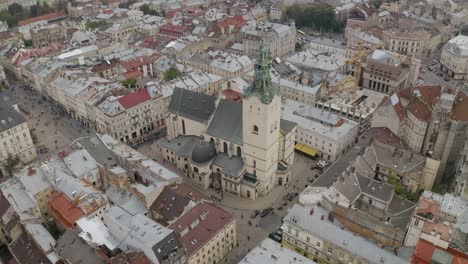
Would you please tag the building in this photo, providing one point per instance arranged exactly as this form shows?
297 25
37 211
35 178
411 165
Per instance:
392 6
45 35
361 18
430 120
33 254
206 232
213 152
222 64
385 73
159 244
317 234
73 249
321 61
278 38
439 229
272 252
320 132
460 183
38 186
367 207
24 3
384 161
454 57
16 140
409 43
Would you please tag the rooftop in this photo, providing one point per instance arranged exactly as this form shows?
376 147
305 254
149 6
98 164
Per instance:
199 225
137 97
26 251
312 220
75 250
9 118
271 252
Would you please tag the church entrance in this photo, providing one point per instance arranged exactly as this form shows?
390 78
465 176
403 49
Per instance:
280 181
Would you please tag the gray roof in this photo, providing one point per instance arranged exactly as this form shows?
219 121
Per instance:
76 250
192 105
227 122
377 189
347 184
231 166
9 118
401 161
181 145
7 98
286 126
335 234
203 152
126 200
98 150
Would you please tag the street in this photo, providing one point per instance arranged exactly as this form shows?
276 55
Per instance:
53 128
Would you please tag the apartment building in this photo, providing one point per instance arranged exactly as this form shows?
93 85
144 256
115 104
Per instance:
206 232
221 63
15 138
454 57
324 133
316 234
407 42
278 38
43 36
38 186
385 73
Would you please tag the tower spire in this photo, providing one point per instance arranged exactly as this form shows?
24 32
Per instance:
262 86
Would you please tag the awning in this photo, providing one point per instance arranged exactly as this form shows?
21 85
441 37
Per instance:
306 149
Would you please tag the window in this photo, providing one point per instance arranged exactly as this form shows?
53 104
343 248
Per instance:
255 130
318 244
330 250
308 239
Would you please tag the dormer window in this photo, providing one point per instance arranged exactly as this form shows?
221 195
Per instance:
255 130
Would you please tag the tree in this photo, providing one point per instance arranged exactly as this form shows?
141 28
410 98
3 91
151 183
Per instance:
129 83
10 20
15 9
95 24
321 17
377 3
171 74
11 163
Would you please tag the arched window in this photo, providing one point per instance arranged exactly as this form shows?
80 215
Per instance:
255 129
183 127
239 151
225 147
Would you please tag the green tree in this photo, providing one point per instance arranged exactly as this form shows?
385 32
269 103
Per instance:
321 17
10 20
95 24
171 74
129 83
377 3
15 9
11 163
128 4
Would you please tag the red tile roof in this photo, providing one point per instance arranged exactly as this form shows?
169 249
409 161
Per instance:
136 62
232 95
419 109
425 250
216 220
429 94
172 28
460 108
131 74
46 17
64 211
137 97
383 135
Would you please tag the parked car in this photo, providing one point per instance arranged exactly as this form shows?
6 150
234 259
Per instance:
44 150
255 214
265 212
323 163
275 237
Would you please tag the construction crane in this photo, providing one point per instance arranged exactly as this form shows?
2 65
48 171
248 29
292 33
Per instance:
356 61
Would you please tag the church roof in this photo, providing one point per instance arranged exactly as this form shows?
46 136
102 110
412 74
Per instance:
192 105
227 122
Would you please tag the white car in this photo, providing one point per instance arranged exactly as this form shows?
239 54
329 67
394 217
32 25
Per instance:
323 163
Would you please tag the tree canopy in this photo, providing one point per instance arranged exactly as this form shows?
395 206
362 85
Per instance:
171 74
321 17
148 11
129 83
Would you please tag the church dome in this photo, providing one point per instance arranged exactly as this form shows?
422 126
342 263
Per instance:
203 152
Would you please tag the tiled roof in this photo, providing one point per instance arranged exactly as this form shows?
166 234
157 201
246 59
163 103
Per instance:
46 17
173 28
136 62
4 205
429 94
425 251
419 109
135 98
25 250
170 204
460 106
64 211
200 234
383 135
131 74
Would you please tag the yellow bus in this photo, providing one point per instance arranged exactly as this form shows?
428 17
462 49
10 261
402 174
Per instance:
300 32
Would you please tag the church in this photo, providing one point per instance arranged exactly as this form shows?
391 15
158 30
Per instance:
241 148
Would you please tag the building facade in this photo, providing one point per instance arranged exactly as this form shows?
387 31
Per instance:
409 43
454 57
15 140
